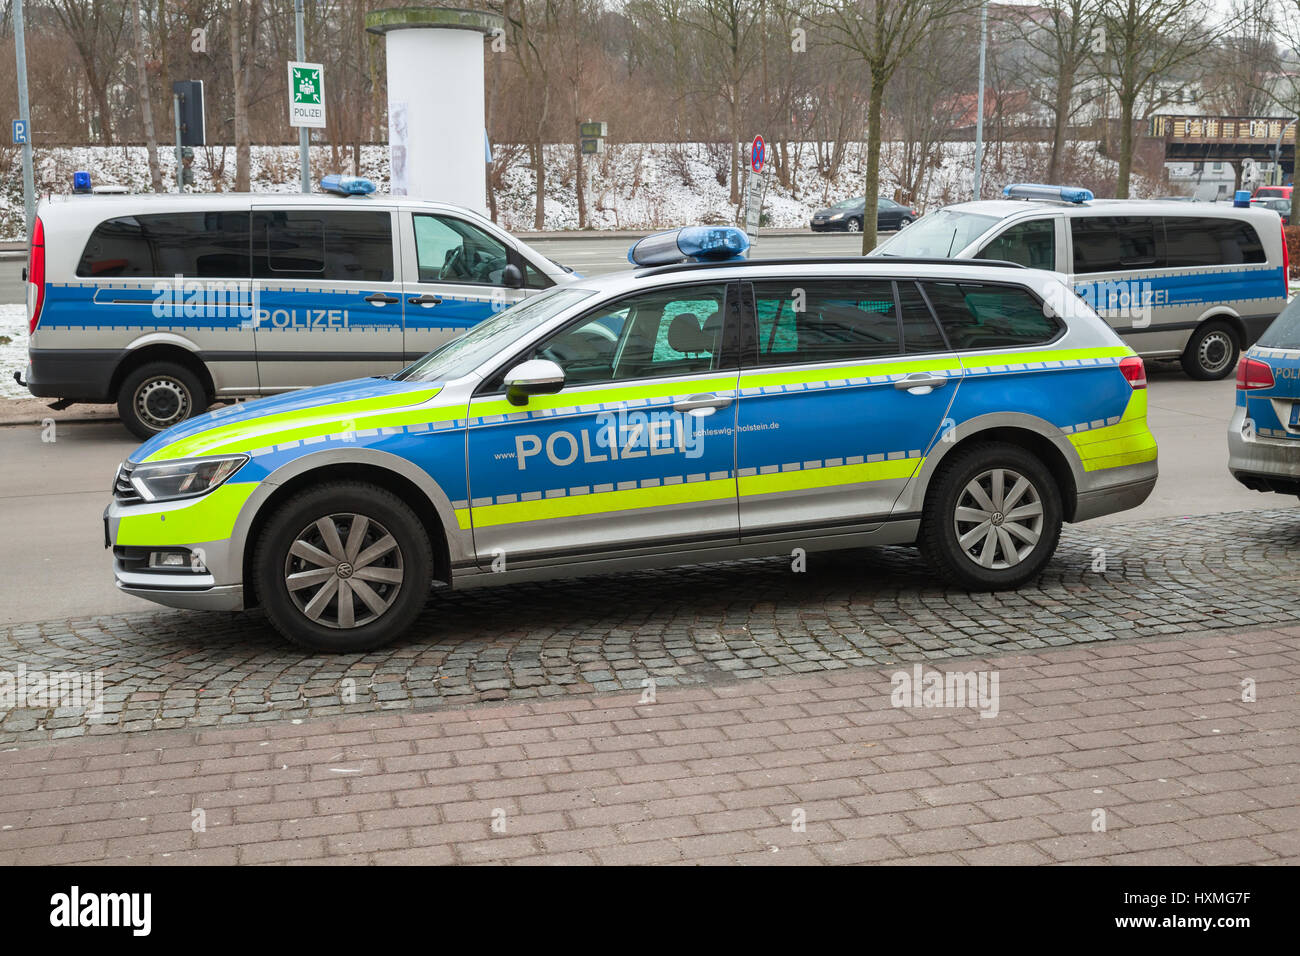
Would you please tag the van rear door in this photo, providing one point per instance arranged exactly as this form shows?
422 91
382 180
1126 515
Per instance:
328 293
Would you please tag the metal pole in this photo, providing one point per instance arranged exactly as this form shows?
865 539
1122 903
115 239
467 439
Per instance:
1277 156
979 108
304 158
180 169
24 114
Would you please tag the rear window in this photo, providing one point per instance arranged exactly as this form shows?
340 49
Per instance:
987 316
1284 332
327 245
1202 241
204 245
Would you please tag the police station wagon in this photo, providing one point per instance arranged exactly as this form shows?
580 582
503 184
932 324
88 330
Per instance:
165 304
685 413
1193 281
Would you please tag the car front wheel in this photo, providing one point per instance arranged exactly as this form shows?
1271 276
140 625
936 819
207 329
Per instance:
854 225
992 517
343 567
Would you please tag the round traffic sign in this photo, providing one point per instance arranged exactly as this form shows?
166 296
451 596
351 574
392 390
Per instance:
757 154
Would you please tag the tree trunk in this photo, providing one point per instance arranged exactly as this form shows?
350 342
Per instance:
539 170
146 101
1064 87
733 123
871 197
243 148
1125 149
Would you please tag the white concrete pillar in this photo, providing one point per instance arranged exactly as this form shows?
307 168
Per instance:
436 123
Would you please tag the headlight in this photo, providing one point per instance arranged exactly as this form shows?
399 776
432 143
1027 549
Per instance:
837 215
184 478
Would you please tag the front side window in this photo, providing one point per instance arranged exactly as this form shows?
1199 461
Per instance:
201 245
1031 244
448 249
1114 243
354 245
657 334
977 316
825 320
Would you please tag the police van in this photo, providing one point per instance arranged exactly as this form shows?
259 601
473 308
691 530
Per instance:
1193 281
679 413
165 304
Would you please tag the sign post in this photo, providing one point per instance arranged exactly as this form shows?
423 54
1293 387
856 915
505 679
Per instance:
754 190
24 117
306 102
304 135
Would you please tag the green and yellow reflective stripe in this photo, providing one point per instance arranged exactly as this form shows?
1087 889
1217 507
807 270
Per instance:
899 366
1012 359
574 506
210 518
571 399
248 434
807 478
1128 442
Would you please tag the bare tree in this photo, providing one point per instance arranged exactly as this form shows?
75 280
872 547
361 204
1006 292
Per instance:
244 20
146 101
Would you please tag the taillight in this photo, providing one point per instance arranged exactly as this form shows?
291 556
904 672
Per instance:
1252 373
35 277
1134 371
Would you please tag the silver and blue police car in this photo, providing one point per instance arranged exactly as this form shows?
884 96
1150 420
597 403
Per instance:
697 408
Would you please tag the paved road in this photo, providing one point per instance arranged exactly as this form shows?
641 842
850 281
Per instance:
53 564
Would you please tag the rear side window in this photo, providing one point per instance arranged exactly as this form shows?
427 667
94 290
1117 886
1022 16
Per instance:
328 245
920 333
988 317
1114 243
1204 241
824 320
202 245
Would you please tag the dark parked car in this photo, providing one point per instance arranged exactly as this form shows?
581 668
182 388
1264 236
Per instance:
846 216
1280 206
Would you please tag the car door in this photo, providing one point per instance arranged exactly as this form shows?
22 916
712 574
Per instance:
457 277
328 293
846 388
635 452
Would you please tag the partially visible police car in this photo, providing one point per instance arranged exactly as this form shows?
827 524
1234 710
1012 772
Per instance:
1195 281
676 414
1264 434
164 304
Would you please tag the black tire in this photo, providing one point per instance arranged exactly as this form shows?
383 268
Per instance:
904 222
157 396
853 225
408 568
1211 352
939 539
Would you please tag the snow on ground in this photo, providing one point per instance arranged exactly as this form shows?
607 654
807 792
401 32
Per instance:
13 349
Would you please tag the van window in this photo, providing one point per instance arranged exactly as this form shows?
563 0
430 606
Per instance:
1202 241
988 316
323 244
1114 243
203 245
824 321
1031 244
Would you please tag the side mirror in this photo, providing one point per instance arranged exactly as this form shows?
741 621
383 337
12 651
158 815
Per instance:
534 377
512 277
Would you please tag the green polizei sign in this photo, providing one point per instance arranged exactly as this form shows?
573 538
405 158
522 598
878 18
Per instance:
307 95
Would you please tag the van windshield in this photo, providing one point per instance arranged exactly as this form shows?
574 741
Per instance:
939 235
467 352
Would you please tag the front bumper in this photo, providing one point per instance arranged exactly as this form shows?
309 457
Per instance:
1262 463
828 226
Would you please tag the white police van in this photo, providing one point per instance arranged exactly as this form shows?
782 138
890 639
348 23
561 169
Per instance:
165 304
1195 281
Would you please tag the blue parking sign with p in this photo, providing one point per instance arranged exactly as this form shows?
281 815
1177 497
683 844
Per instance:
20 132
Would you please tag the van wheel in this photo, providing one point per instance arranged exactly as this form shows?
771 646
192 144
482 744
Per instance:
346 566
992 517
1211 352
157 396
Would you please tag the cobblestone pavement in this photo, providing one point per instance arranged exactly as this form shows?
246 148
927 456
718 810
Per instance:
1118 752
702 625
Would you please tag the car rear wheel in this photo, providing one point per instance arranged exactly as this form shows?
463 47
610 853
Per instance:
992 517
854 225
904 222
157 396
343 567
1212 352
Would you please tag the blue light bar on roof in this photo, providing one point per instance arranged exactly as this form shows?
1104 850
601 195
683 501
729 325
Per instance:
1074 194
346 185
699 243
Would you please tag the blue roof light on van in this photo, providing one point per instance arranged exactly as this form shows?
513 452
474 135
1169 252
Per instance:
698 243
1074 194
347 185
81 182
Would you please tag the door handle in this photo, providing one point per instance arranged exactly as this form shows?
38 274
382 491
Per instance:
699 403
919 380
381 298
425 299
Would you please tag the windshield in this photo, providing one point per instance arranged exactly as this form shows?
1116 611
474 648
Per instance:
848 203
467 352
1284 332
939 235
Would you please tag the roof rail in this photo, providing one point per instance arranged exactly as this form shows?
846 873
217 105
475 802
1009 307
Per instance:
831 260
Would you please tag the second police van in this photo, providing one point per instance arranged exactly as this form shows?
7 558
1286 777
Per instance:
165 304
1195 281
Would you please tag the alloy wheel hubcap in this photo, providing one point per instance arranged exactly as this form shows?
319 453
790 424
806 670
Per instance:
162 402
344 571
998 518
